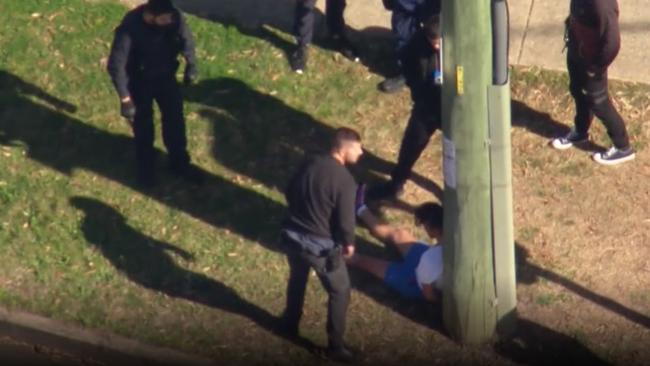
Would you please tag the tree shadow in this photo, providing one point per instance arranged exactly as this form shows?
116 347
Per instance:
34 125
261 137
541 123
255 17
150 263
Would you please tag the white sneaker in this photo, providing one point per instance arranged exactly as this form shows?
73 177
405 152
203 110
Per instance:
614 156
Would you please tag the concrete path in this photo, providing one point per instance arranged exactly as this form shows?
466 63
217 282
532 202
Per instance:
536 27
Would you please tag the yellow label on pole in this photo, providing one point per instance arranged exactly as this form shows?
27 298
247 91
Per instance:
460 80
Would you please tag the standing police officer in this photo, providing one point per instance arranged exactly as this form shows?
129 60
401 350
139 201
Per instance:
319 233
406 17
421 63
304 31
142 66
593 42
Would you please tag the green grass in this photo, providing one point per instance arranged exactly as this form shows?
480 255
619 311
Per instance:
201 270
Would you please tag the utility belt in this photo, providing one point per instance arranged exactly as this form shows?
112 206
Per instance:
315 246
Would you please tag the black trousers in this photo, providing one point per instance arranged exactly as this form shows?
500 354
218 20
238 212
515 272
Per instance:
421 126
304 19
335 281
591 96
167 94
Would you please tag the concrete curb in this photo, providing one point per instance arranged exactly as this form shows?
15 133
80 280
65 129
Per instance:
97 346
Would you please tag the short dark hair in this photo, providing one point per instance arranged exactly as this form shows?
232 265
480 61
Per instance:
344 134
157 7
430 214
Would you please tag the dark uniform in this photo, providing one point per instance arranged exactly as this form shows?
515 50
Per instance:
419 63
593 43
143 64
406 17
321 219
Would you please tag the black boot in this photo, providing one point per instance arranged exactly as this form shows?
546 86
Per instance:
392 85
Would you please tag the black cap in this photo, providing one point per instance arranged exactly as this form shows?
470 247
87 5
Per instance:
157 7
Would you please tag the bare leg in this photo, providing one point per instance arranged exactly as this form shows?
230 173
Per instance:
374 266
401 239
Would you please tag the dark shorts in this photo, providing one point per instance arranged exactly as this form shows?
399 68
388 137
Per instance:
400 276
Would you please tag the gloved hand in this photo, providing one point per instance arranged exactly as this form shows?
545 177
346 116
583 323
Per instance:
389 4
127 110
191 73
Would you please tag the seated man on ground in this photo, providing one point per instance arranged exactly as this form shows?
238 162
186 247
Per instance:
419 274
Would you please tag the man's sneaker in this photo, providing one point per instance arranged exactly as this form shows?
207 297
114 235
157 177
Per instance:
572 138
360 201
614 156
385 191
346 48
298 60
392 85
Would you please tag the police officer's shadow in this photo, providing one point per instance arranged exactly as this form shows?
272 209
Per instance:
258 135
263 19
542 124
154 265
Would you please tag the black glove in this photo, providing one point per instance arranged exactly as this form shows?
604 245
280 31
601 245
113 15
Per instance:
389 4
191 74
127 110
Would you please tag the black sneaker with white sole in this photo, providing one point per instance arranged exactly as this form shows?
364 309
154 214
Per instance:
570 139
614 156
298 60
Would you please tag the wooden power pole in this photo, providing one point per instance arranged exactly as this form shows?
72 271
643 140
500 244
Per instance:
476 151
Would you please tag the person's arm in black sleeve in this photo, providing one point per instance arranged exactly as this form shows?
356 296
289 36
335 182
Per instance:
188 50
609 31
117 62
345 214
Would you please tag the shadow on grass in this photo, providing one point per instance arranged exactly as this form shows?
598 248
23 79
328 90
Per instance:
529 273
542 124
535 344
59 141
150 263
258 135
255 17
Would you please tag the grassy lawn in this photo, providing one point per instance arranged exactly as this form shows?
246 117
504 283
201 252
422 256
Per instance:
201 269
